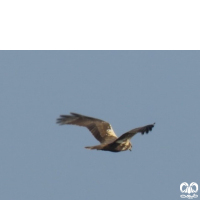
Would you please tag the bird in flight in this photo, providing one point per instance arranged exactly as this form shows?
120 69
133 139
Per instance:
103 132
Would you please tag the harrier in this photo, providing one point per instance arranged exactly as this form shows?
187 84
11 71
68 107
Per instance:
103 132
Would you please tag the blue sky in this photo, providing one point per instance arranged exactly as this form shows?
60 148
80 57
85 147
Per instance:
42 160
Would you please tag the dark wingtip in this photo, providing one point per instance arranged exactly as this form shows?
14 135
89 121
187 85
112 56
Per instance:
66 119
61 120
148 129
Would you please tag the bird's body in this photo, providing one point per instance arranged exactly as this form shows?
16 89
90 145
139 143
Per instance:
114 147
103 132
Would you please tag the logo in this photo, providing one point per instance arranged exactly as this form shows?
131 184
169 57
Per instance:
190 189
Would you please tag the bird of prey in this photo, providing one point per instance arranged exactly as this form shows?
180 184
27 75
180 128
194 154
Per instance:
103 132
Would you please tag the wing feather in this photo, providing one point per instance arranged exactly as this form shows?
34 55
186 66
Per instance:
128 135
100 129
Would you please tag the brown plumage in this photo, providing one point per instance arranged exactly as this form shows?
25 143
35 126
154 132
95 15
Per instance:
103 132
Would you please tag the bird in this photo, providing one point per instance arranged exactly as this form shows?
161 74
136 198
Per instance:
103 132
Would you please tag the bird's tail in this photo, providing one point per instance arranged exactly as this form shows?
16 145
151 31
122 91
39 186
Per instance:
97 147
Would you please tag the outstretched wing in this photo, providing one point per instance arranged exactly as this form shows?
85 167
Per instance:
128 135
100 129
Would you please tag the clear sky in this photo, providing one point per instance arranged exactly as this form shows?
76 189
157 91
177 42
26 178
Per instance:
44 161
